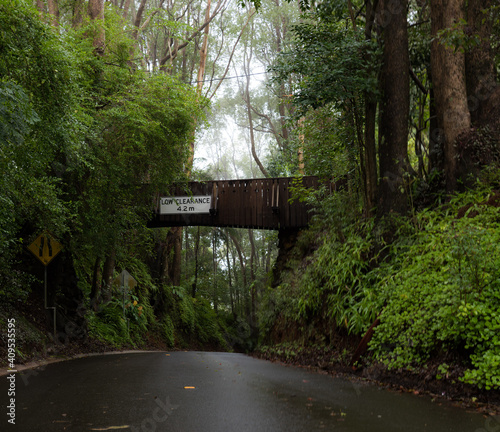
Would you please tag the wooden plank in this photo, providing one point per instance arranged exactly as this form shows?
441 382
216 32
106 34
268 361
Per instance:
295 210
228 202
276 193
252 189
244 206
233 208
222 207
235 203
248 203
254 202
266 204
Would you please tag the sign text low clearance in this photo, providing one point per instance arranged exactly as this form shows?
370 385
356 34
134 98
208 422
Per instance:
193 204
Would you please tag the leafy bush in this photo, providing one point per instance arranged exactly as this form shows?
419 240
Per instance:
168 331
108 325
443 292
434 278
339 279
187 313
208 327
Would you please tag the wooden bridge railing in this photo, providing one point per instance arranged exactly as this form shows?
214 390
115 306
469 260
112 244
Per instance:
252 203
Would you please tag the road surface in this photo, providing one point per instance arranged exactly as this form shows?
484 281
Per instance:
213 392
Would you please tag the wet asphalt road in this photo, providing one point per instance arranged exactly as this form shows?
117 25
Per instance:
214 392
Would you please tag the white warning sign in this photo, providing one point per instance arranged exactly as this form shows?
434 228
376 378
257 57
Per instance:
193 204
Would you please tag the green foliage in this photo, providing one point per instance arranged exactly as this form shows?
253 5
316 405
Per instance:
433 279
339 280
329 60
458 37
87 139
40 130
278 310
208 326
441 292
237 333
187 314
168 331
136 313
108 325
327 135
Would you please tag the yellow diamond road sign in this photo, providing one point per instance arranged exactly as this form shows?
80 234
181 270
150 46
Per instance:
45 248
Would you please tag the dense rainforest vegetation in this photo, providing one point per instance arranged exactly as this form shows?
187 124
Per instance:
394 105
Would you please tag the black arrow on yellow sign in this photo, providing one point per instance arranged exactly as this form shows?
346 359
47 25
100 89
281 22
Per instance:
45 248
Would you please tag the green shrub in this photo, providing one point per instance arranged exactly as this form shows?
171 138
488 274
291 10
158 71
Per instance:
443 292
108 325
338 280
168 331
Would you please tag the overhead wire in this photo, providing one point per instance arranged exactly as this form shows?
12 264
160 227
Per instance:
227 78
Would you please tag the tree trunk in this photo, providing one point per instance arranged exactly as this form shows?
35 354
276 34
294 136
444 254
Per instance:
394 108
166 256
53 7
199 79
241 259
229 279
176 268
40 5
138 19
268 256
253 296
237 285
250 119
126 7
215 297
370 153
436 163
479 61
96 13
448 79
196 253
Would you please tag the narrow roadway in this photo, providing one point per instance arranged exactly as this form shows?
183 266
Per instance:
214 392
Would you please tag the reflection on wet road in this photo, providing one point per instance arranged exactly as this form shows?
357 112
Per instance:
201 391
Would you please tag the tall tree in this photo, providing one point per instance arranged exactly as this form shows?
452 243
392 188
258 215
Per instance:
449 84
479 59
371 103
96 14
395 106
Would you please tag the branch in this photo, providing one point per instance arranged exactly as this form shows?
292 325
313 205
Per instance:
143 26
232 54
271 125
190 38
417 81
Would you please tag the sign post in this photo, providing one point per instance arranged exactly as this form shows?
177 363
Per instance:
45 247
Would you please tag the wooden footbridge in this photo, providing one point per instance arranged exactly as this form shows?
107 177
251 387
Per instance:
252 203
